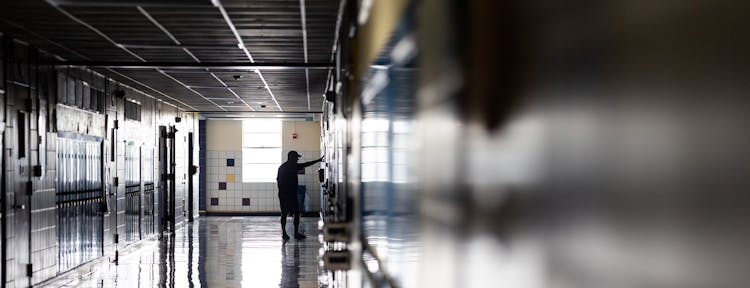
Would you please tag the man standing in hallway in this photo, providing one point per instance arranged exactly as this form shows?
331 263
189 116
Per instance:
286 180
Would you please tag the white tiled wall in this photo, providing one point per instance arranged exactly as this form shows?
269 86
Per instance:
263 196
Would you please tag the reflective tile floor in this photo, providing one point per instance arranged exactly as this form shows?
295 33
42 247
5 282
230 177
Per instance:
212 252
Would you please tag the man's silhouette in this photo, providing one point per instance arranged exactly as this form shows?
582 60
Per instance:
286 180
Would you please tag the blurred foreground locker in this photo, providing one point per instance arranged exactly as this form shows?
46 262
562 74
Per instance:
539 144
3 206
586 144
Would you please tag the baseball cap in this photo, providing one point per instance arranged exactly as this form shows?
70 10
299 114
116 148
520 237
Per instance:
293 154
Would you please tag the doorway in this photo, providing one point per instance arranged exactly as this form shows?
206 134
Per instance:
167 167
192 171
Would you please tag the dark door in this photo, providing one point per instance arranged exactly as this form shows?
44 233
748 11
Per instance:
167 178
192 171
163 175
172 179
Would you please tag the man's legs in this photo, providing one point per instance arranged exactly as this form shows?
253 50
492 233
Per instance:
284 214
296 223
297 235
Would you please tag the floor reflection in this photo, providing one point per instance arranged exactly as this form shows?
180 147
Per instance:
290 266
213 252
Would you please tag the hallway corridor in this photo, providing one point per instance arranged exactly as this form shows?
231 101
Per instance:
211 252
430 144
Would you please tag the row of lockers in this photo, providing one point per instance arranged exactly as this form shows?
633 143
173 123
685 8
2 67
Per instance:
61 204
79 200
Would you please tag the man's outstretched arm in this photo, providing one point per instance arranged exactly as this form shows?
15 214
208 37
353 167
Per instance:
307 164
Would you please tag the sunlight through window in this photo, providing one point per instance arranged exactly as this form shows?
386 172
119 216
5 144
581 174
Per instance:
261 149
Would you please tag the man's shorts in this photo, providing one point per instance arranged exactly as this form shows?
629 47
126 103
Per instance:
288 203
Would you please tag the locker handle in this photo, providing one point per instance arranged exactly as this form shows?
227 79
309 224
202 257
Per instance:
20 207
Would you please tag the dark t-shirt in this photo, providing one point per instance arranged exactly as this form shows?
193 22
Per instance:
286 179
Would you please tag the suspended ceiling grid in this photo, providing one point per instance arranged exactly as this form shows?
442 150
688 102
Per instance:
189 31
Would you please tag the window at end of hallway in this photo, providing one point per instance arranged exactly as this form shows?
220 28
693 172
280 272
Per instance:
261 149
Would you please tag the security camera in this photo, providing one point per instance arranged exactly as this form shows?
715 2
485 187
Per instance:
262 105
237 77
